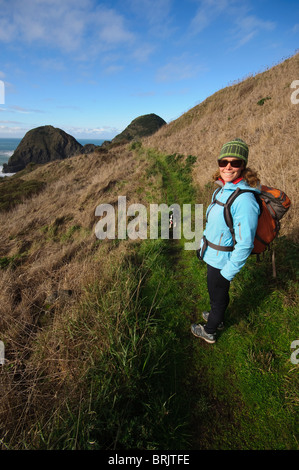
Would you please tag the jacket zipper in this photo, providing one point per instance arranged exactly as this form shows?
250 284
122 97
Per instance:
219 243
239 224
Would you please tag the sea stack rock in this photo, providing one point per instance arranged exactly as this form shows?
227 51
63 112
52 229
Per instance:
142 126
42 145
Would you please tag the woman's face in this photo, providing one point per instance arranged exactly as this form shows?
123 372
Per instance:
228 173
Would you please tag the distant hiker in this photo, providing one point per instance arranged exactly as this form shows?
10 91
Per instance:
225 251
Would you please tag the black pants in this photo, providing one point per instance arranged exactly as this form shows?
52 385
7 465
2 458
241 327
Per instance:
218 288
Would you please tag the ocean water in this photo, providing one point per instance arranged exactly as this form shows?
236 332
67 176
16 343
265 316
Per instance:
8 146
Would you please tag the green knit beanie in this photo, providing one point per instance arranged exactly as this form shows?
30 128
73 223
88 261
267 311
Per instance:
236 148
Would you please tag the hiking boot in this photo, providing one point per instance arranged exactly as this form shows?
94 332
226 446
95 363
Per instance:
199 332
205 316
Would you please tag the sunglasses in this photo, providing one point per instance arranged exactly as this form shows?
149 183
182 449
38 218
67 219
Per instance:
234 163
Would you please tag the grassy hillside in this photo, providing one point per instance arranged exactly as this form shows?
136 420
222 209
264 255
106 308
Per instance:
98 349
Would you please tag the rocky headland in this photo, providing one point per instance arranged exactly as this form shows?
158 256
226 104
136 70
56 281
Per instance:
142 126
42 145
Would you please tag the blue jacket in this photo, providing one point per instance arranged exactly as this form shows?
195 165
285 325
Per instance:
245 211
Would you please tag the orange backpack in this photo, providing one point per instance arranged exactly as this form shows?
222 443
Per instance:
273 203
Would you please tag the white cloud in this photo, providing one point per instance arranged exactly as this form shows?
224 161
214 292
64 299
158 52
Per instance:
207 12
104 132
155 15
142 53
112 69
153 11
174 72
19 109
6 131
111 27
144 94
248 27
72 107
52 64
68 25
10 122
235 15
180 68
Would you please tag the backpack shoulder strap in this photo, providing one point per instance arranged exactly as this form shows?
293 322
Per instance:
213 201
215 194
227 212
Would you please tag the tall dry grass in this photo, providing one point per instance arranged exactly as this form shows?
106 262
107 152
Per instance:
54 255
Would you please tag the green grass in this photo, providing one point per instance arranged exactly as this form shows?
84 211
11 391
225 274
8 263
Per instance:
133 388
262 101
245 385
14 190
11 261
250 384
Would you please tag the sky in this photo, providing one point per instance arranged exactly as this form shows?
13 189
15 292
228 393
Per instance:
90 67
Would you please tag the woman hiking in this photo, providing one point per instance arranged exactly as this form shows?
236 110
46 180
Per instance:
226 252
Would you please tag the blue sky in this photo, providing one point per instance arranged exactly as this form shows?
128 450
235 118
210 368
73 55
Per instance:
90 67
